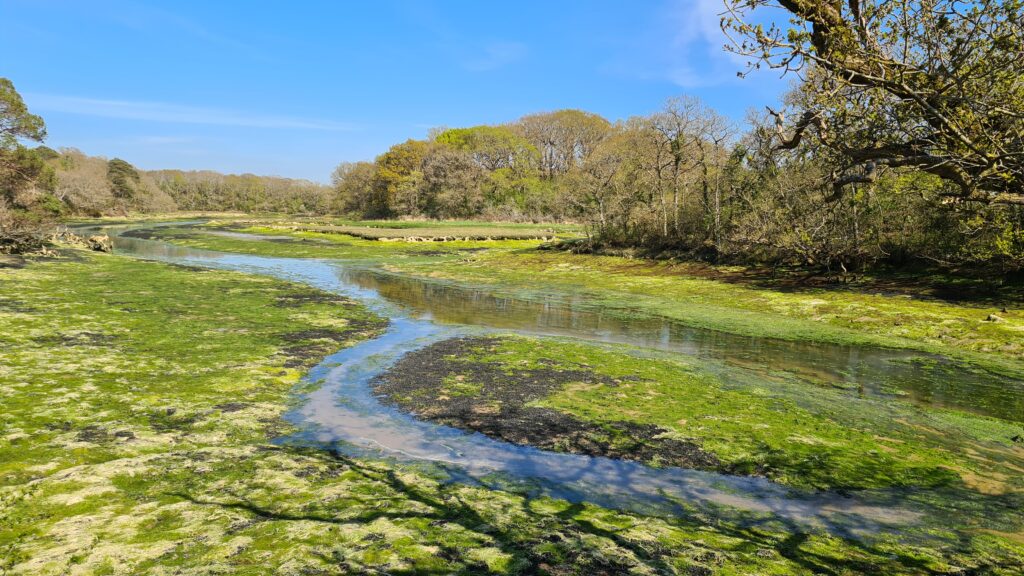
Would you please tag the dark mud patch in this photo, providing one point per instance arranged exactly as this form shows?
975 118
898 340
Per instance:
99 435
170 420
290 240
76 339
183 231
305 348
301 298
15 306
11 261
188 267
443 384
155 234
92 433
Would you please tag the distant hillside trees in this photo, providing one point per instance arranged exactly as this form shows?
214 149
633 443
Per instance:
38 185
684 180
213 191
352 183
95 186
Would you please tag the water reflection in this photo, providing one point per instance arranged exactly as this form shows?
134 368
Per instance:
878 372
344 409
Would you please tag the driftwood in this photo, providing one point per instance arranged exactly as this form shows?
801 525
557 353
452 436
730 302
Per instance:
21 241
39 240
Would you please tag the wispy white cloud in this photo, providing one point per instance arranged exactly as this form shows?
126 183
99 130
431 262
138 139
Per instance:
494 55
146 18
684 45
165 140
698 23
470 53
175 113
699 38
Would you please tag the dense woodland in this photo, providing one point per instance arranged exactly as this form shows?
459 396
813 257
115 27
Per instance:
213 191
683 180
902 142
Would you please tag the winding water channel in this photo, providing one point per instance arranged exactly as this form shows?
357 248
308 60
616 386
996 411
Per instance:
343 413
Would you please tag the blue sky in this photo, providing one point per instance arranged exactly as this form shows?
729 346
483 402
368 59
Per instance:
294 88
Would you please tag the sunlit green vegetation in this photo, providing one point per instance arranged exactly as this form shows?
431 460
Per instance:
282 241
986 332
139 402
435 232
799 435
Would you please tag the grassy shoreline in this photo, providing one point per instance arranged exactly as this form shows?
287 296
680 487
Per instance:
812 438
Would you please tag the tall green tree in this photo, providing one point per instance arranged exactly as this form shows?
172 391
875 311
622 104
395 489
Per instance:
397 179
15 120
19 166
124 179
933 85
25 177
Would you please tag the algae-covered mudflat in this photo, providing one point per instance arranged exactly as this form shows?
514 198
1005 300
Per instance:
264 399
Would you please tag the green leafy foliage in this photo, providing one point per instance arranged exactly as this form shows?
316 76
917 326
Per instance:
124 179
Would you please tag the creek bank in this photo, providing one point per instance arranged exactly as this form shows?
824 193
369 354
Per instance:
917 280
480 397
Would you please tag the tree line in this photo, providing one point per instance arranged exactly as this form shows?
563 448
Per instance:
683 180
208 191
40 186
903 141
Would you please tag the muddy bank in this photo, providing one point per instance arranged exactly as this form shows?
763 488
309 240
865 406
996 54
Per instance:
442 383
305 347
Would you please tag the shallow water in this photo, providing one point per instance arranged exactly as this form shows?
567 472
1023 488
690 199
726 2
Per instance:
344 413
878 372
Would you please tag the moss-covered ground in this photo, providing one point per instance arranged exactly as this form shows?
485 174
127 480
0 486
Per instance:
138 404
801 436
140 399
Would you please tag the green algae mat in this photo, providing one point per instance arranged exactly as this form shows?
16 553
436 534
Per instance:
141 402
